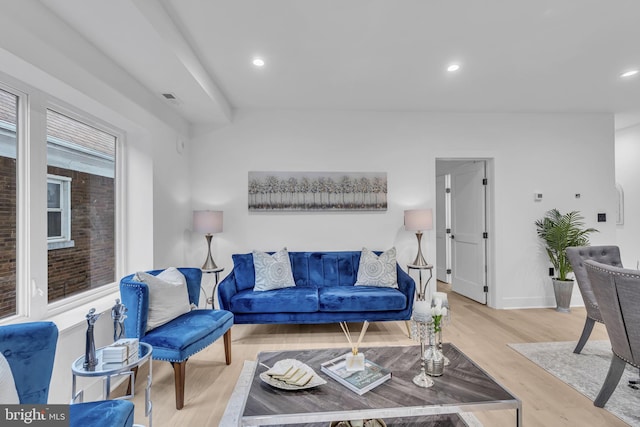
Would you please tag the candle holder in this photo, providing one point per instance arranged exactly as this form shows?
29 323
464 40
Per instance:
420 332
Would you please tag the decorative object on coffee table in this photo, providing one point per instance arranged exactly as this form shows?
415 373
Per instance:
446 318
355 360
360 381
420 332
378 422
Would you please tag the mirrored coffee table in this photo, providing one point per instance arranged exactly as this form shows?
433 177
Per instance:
464 387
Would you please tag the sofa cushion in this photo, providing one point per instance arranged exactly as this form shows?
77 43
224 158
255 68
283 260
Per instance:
188 334
272 271
243 271
377 270
168 296
361 298
287 300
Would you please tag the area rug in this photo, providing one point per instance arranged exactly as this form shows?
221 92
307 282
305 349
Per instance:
586 372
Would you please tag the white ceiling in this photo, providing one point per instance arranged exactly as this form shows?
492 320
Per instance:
544 56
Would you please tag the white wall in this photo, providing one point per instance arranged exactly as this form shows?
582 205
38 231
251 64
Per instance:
628 176
554 154
41 51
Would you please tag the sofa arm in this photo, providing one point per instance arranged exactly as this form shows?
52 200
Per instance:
226 289
406 285
135 296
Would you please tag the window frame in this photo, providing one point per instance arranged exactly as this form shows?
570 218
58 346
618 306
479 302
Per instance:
64 240
31 230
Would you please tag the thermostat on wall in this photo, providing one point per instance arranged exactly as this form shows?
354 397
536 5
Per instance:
537 196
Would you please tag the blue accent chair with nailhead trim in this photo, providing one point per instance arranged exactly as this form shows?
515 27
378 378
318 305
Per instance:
182 337
30 349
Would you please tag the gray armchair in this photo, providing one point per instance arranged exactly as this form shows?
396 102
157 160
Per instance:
617 291
609 255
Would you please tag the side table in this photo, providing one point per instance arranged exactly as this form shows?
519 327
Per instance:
422 289
108 370
211 300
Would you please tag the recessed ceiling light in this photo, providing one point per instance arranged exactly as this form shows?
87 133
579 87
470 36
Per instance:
629 73
453 67
258 62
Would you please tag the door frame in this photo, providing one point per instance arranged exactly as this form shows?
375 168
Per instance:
441 164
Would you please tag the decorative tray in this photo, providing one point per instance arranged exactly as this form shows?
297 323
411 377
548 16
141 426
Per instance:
291 374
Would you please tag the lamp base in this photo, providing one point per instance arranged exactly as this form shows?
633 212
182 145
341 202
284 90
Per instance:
209 264
419 261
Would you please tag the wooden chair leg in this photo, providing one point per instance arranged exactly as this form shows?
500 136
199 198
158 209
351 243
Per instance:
227 346
179 374
586 331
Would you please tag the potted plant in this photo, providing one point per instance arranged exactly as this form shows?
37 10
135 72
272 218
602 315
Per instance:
560 231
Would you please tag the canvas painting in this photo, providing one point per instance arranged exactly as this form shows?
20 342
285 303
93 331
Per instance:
317 191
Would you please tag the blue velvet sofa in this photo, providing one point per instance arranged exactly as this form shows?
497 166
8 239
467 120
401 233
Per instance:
324 292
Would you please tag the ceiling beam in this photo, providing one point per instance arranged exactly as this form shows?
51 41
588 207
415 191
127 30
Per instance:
161 21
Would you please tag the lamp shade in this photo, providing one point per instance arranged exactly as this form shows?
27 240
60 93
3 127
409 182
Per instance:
418 219
208 222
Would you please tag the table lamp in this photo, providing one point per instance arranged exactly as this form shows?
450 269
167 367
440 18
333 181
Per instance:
418 220
208 222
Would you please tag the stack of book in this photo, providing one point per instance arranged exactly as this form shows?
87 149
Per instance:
125 350
358 381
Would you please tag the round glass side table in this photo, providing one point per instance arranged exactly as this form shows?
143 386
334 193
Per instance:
109 370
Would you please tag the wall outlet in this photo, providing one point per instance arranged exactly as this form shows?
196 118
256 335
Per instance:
537 196
551 271
602 217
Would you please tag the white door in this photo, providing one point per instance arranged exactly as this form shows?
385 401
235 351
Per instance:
468 245
442 239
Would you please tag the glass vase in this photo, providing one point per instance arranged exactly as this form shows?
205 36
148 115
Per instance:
433 357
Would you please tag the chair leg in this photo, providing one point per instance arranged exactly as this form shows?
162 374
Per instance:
586 331
613 377
227 346
179 374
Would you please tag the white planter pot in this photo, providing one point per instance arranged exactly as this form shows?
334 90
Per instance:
563 290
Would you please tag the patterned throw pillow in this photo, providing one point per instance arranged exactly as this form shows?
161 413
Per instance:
378 270
272 271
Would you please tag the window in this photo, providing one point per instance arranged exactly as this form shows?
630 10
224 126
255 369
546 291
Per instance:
80 205
59 212
8 201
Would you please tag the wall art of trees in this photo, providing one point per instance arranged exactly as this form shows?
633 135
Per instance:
302 191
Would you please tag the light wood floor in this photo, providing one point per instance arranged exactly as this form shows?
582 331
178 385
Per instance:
481 332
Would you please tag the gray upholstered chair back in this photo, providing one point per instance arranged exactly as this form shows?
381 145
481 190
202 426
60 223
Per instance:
618 293
609 255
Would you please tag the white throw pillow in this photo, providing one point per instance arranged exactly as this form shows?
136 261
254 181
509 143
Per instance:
377 270
168 296
8 392
272 271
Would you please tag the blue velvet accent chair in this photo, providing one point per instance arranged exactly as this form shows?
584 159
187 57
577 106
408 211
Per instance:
30 349
181 337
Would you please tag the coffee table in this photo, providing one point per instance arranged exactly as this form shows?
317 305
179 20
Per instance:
464 387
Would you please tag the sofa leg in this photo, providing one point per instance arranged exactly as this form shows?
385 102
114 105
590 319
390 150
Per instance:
227 346
179 373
